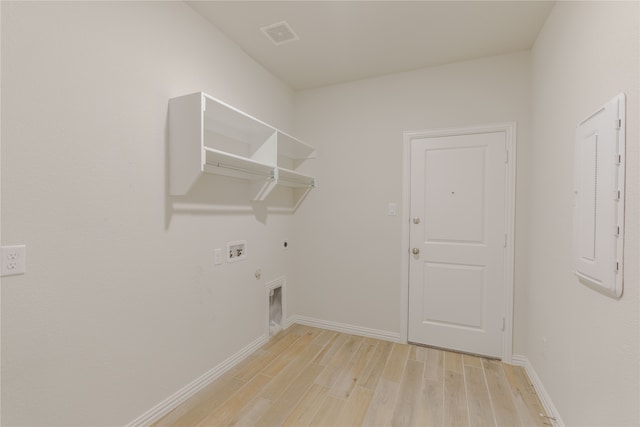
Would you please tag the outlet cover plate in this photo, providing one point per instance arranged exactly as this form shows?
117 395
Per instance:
217 256
14 260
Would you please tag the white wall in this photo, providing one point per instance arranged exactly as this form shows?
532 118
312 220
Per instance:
348 259
121 305
583 345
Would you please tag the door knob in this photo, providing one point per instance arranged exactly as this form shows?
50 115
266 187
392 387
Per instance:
415 251
416 220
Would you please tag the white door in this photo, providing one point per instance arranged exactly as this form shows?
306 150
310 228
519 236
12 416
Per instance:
457 242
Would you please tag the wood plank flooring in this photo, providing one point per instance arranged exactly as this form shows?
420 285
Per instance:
306 376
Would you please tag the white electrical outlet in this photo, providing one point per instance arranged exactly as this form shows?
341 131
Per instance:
14 260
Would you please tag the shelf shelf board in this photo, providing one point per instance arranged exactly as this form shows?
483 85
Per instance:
223 163
289 178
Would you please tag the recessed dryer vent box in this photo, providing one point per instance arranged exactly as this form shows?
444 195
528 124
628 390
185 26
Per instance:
598 219
236 251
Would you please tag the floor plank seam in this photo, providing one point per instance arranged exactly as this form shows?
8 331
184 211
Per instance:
486 384
466 391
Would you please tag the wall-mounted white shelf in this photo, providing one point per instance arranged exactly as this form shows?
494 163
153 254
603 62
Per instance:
207 135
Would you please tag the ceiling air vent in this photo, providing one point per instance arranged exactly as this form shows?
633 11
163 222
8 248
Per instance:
280 33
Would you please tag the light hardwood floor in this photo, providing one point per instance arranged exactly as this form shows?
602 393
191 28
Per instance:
309 376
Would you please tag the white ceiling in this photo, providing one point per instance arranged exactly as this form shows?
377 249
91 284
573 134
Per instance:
349 40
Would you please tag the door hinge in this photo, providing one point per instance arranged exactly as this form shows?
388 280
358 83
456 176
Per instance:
619 159
618 123
503 324
617 266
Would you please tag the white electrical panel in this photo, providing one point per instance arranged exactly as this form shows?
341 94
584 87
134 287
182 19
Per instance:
598 219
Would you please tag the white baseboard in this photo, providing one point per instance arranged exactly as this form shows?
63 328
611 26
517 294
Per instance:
171 402
344 328
545 399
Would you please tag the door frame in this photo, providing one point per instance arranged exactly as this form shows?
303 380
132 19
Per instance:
509 128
